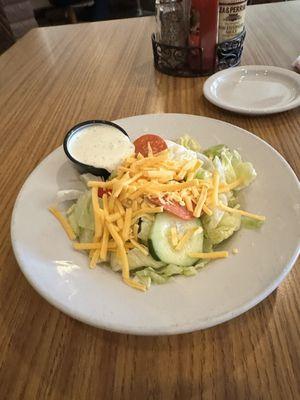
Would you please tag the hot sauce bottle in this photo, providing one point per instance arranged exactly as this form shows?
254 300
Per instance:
203 33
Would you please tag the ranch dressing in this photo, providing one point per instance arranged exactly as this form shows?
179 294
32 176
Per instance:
101 146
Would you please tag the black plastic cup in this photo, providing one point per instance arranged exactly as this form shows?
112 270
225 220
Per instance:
81 167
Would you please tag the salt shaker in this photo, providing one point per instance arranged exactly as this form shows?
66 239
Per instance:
170 22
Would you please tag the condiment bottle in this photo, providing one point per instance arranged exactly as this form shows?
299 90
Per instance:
231 19
203 33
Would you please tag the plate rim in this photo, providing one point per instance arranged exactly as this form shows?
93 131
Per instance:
246 110
174 329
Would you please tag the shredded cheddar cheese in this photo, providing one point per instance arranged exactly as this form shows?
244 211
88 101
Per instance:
135 231
113 217
93 246
174 236
241 212
94 259
214 254
126 226
188 202
207 210
200 203
104 247
139 246
186 237
64 223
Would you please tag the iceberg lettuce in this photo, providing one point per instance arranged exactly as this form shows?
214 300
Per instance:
136 259
215 151
178 152
152 274
230 165
250 223
188 142
145 228
162 275
203 174
226 227
81 217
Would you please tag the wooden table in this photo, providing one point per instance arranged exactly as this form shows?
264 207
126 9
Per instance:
50 80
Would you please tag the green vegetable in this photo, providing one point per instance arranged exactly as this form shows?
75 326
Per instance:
145 229
219 167
152 274
232 200
188 142
228 224
171 270
214 151
246 173
159 242
86 236
81 217
230 165
189 271
143 279
250 223
201 264
234 168
72 220
207 245
136 259
162 275
203 174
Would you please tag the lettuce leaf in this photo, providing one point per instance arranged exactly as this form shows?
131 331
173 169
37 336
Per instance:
85 178
189 143
171 270
189 271
68 195
136 259
145 228
81 217
152 274
234 168
230 165
162 275
219 167
250 223
228 224
178 152
215 151
246 172
203 174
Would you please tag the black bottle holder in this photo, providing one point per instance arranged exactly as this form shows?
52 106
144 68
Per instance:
187 61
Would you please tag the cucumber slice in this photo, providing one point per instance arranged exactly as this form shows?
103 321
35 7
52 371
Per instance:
159 242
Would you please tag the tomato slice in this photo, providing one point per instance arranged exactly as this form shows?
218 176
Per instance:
101 192
174 208
156 142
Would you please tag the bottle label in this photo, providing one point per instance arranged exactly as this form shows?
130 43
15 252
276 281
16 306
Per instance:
231 18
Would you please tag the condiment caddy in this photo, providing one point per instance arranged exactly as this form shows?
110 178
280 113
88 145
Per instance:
198 37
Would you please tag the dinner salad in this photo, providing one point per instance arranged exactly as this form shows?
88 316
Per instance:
162 212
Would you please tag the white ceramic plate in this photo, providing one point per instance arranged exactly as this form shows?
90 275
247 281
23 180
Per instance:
221 291
255 89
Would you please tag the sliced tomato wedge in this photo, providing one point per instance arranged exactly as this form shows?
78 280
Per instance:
156 142
101 192
174 208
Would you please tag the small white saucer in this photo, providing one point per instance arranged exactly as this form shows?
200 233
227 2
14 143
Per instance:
254 89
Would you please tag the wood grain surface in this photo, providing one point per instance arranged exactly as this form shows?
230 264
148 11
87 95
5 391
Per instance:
55 77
